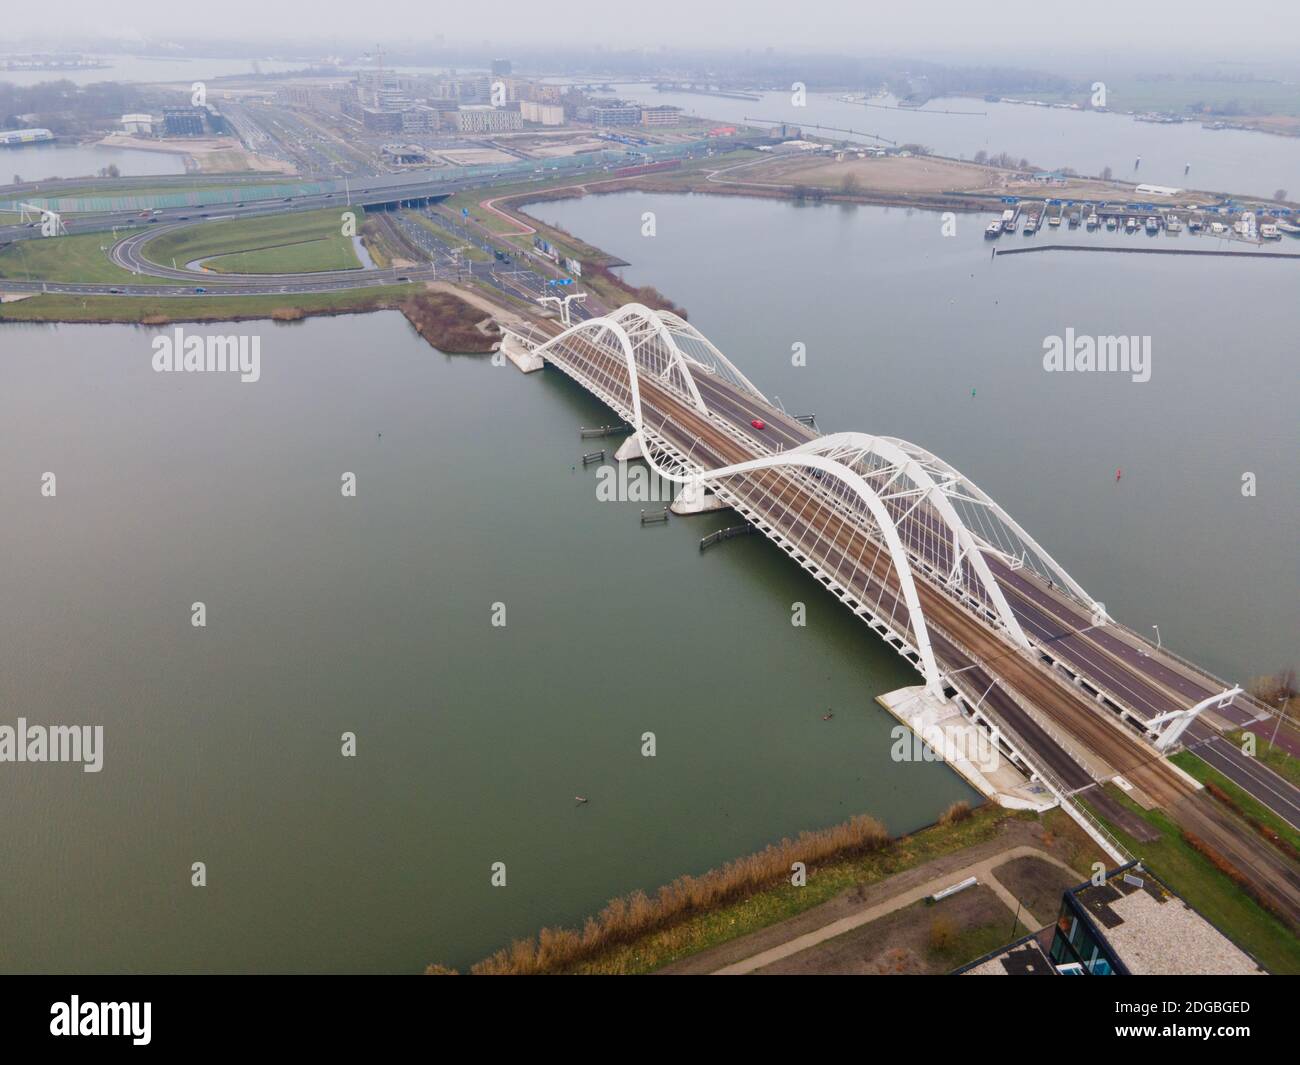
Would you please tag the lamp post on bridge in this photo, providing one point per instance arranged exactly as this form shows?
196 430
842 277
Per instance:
1158 643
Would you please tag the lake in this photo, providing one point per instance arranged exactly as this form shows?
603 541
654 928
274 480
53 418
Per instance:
372 615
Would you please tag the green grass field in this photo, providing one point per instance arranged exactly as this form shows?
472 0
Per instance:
1213 894
289 243
76 258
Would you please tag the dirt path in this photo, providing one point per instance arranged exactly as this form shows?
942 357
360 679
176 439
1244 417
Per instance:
981 870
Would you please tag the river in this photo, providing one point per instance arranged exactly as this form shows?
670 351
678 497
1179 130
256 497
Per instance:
914 334
371 615
1182 155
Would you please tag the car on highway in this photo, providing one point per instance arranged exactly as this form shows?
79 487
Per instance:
758 423
200 291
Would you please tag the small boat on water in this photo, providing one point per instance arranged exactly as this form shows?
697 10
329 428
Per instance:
1112 223
1218 228
1194 225
1053 219
1075 219
1269 231
1032 224
1093 221
1173 225
1289 227
1131 225
993 230
1153 224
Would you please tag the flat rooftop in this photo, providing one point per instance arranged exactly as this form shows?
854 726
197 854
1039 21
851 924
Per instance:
1155 933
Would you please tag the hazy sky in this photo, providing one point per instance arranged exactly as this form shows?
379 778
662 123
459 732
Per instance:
1006 31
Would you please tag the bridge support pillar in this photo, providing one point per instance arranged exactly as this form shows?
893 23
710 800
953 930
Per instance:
520 352
693 499
629 449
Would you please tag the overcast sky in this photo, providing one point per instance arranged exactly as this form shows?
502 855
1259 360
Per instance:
1006 31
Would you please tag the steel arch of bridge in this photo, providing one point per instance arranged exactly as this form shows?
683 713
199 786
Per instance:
890 477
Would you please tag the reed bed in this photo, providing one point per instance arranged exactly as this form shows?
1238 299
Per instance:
624 919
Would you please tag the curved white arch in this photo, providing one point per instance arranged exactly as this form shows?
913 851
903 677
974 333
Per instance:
930 490
731 372
932 480
950 472
899 558
649 319
897 553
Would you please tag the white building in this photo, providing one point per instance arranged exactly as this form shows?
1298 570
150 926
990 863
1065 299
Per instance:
545 114
141 125
482 119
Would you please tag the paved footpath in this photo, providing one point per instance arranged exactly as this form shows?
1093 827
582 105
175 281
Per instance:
982 871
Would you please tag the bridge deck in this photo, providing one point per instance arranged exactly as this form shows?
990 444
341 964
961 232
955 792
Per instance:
1058 727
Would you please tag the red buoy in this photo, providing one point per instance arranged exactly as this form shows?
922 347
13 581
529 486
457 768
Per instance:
1119 474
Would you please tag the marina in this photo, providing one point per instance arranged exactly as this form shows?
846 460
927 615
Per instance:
1256 228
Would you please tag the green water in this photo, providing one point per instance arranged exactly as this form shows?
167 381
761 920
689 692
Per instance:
372 615
911 333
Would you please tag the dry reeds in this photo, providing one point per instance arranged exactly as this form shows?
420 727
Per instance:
448 323
630 917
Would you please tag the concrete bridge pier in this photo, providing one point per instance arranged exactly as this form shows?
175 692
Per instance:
521 353
693 499
629 449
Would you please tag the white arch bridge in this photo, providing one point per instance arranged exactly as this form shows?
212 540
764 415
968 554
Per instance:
912 546
873 517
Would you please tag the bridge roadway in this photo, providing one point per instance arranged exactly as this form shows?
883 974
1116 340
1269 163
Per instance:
1078 741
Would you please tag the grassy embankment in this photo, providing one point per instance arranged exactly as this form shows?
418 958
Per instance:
299 242
1212 891
82 257
1259 816
640 933
448 323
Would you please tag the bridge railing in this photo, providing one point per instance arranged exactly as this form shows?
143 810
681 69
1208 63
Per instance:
1216 684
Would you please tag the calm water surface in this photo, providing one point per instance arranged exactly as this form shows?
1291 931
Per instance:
371 615
1234 161
912 334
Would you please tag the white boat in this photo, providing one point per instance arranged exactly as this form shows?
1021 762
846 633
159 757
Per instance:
1131 225
1053 219
993 230
1153 226
1092 221
1173 225
1269 231
1112 223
